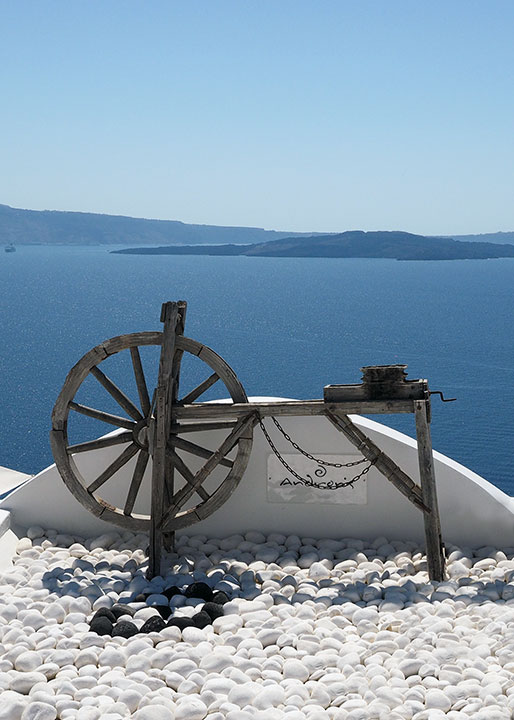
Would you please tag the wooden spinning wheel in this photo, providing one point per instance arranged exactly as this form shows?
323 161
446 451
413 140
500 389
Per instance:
180 495
196 452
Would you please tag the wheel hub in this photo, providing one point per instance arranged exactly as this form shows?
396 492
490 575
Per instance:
141 434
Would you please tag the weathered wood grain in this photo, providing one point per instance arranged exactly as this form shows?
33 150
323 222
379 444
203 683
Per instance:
179 352
198 450
182 496
434 543
100 443
105 417
190 427
200 389
135 483
382 462
160 473
213 411
185 518
113 468
115 392
139 375
70 474
186 473
408 390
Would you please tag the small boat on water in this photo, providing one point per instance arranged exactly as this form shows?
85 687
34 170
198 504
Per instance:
10 248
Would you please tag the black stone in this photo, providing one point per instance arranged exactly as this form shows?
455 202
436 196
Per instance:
153 624
201 619
163 610
213 610
104 612
118 610
220 597
180 622
124 629
101 625
199 590
140 598
169 592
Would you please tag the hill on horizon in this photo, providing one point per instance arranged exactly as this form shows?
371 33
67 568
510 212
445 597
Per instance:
57 227
381 244
351 244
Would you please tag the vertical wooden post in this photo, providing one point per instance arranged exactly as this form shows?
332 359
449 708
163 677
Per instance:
434 545
162 472
168 538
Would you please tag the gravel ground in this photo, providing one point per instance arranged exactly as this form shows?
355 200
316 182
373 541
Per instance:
316 629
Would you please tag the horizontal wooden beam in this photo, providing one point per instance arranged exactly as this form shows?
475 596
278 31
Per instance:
289 408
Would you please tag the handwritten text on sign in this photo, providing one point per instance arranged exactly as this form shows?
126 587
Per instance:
321 484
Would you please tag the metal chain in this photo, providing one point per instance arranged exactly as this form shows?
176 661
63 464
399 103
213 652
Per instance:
311 457
308 481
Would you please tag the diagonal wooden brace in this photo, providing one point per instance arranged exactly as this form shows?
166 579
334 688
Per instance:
182 496
424 498
382 462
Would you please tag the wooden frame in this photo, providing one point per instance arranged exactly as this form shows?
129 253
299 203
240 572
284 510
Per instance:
155 430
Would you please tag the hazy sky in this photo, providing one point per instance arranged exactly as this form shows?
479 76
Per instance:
287 114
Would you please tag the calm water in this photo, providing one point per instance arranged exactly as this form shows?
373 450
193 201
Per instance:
287 327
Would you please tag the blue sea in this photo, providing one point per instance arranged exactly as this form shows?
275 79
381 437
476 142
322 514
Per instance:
286 326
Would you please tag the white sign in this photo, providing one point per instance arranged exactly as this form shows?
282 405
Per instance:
319 484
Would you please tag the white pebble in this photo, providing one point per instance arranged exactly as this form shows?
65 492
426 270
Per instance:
410 666
12 705
154 712
28 661
33 619
244 693
296 670
22 682
55 612
112 657
438 700
318 571
190 708
23 544
269 697
39 711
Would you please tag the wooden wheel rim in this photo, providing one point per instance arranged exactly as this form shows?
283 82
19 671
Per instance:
72 476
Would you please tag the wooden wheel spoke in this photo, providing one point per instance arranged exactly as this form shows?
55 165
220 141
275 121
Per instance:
135 483
116 393
120 461
200 389
179 429
198 450
102 416
186 473
181 497
139 374
120 439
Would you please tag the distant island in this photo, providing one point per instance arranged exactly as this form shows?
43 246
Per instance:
54 227
351 244
171 237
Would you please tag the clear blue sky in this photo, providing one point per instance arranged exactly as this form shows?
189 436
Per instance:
287 114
